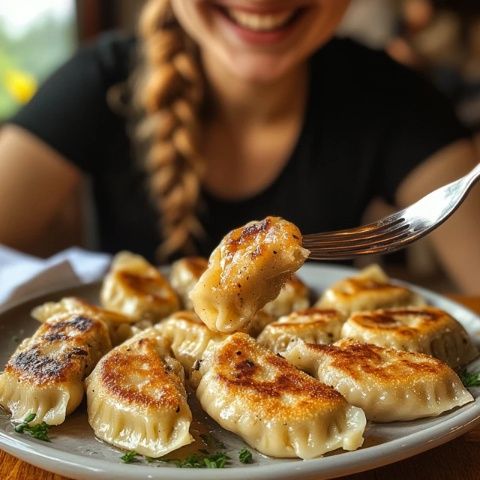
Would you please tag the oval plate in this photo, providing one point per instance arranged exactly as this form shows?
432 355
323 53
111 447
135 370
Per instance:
76 453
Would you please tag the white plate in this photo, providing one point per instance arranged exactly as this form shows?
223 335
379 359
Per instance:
75 453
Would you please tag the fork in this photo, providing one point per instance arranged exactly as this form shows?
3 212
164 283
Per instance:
394 231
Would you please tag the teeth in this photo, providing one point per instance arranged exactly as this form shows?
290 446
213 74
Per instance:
260 22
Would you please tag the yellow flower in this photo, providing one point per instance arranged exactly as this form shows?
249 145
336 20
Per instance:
21 85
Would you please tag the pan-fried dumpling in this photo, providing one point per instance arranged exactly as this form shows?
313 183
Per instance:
368 290
388 384
293 296
427 330
136 397
119 325
45 374
274 407
136 288
187 336
313 325
184 274
246 271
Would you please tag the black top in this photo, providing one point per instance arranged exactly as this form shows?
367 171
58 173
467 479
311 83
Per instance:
368 123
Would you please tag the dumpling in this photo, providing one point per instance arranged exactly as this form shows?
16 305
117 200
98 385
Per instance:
274 407
184 274
293 296
136 397
187 337
119 326
313 325
246 271
45 374
368 290
136 288
388 384
427 330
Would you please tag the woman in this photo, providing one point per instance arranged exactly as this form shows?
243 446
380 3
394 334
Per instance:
236 109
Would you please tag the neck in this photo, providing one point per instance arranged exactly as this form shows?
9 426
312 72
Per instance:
237 101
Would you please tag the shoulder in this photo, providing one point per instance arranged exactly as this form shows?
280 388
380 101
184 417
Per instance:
113 55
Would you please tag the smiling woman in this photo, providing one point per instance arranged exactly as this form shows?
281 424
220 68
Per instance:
222 111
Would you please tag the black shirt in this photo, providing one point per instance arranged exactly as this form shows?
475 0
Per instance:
368 123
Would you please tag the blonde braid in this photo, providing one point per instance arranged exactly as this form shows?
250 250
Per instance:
169 93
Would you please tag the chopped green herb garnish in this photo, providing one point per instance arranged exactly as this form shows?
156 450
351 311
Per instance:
216 460
212 441
245 456
129 457
40 431
470 379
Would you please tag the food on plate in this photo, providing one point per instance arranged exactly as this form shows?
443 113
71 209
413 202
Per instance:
184 274
136 397
313 325
187 337
370 289
294 295
45 374
246 271
388 384
273 406
136 288
119 325
427 330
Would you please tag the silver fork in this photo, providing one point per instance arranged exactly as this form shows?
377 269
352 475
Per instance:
395 231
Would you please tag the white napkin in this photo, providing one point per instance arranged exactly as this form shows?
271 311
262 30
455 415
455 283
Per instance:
23 276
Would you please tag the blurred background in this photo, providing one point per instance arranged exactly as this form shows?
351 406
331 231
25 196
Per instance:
440 39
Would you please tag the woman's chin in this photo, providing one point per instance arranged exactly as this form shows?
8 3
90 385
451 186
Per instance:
257 70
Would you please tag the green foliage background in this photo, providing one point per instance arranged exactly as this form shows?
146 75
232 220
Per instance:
38 52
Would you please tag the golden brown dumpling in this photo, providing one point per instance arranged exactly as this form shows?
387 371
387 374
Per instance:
274 407
246 271
119 325
45 374
368 290
313 325
136 288
136 397
184 274
293 296
414 329
388 384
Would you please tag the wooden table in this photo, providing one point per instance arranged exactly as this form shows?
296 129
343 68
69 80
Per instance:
456 460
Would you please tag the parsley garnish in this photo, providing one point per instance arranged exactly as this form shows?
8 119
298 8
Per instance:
39 431
470 379
245 456
216 460
129 457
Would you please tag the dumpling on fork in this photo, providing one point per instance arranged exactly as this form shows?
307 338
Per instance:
136 288
136 397
369 289
45 374
246 271
275 408
119 325
388 384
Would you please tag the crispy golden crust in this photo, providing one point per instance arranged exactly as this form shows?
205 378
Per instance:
267 383
246 271
384 366
135 374
64 348
370 289
293 296
136 288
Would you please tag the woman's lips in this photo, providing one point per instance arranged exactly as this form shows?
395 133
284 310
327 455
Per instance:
259 27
